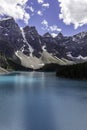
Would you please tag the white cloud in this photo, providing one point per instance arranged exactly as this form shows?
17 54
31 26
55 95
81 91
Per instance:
15 9
40 1
45 23
54 34
46 5
30 8
39 13
53 28
73 12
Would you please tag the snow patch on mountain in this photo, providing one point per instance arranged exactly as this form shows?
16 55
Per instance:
22 48
69 54
78 58
4 19
81 58
44 48
25 40
6 34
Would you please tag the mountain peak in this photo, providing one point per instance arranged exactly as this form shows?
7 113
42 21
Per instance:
47 34
31 29
59 36
8 21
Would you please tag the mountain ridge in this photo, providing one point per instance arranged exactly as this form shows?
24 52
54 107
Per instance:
30 47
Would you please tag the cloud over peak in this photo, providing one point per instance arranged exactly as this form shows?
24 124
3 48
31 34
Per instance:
73 12
52 28
15 9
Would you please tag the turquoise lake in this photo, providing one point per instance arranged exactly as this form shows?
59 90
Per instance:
42 101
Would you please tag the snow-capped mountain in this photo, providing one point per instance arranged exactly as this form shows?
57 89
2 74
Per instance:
30 47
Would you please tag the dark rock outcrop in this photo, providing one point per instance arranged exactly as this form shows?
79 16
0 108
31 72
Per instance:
11 33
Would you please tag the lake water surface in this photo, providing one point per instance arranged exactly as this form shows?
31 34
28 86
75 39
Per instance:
41 101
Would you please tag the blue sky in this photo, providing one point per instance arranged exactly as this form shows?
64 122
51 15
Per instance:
44 15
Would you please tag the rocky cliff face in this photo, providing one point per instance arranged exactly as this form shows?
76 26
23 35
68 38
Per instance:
27 43
11 33
34 40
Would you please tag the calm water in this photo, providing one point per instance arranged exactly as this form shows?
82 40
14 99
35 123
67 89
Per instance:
41 101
